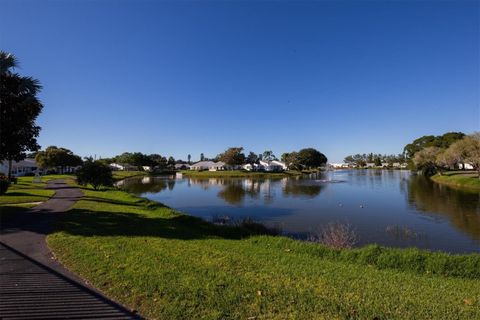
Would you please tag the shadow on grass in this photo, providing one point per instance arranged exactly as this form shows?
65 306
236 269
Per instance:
98 223
101 223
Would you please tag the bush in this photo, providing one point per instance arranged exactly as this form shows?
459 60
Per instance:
95 173
4 184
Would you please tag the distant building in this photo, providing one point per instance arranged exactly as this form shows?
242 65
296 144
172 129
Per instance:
208 165
122 167
19 168
273 165
339 165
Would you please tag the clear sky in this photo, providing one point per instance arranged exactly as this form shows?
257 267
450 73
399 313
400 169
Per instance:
188 77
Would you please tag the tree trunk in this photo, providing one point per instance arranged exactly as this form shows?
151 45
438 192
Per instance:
9 169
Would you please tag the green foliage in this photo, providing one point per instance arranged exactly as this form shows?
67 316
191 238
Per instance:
252 158
4 184
361 160
232 156
20 108
95 173
304 159
268 155
54 157
443 141
311 158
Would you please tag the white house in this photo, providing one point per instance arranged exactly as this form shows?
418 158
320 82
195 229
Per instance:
250 167
208 165
339 165
19 168
465 166
273 165
123 167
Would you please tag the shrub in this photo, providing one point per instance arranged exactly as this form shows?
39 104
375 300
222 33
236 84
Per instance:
95 173
4 184
336 235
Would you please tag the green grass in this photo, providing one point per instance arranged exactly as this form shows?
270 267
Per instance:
25 191
462 179
238 173
171 266
120 175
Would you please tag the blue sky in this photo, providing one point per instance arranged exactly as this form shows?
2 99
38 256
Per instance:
189 77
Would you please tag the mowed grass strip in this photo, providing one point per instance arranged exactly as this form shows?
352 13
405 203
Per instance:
25 191
171 266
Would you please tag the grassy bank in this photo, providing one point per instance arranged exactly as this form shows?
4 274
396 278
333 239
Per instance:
25 191
170 266
238 174
461 179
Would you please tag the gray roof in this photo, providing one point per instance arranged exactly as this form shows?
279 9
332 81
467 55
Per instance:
208 164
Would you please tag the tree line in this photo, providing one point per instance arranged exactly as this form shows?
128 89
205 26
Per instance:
307 158
361 160
464 149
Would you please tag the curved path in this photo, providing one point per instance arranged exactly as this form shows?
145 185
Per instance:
33 285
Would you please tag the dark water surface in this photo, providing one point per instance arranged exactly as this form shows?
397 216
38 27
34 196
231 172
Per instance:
392 208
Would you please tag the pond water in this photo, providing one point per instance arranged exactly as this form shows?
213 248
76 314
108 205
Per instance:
391 208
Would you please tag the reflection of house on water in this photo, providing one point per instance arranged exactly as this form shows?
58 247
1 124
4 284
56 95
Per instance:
234 190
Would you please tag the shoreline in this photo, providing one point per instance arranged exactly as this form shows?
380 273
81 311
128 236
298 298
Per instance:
465 181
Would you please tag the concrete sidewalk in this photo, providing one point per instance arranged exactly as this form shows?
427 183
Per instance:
33 285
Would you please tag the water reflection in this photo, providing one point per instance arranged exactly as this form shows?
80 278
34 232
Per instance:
461 208
143 185
392 208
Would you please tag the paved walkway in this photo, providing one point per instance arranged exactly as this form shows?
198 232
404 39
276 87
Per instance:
33 285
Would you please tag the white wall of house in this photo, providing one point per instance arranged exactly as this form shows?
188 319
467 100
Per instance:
19 168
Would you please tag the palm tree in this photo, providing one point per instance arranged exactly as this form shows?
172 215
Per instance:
19 108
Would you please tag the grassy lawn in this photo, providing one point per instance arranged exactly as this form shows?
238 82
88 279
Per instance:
25 191
120 175
464 179
238 173
171 266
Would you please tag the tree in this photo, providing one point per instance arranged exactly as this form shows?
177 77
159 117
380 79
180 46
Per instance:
252 158
443 141
447 158
311 158
157 161
292 160
54 157
137 159
232 156
467 150
202 157
268 155
189 157
95 173
171 162
19 109
426 160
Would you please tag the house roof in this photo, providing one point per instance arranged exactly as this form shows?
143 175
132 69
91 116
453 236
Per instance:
207 164
22 163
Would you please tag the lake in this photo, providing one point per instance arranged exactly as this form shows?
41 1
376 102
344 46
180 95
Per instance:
388 207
